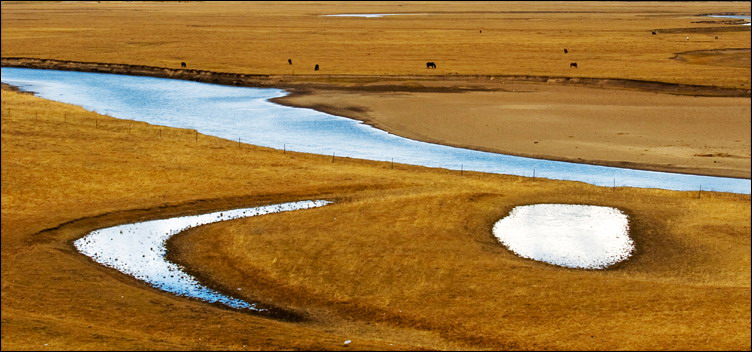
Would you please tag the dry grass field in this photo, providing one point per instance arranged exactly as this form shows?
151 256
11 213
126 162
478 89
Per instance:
606 39
405 258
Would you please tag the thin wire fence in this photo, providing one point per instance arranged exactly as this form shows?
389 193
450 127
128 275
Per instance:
134 128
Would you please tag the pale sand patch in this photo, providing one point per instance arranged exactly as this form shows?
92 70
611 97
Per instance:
636 129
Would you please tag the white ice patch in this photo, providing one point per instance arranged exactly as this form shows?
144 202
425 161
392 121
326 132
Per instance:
569 235
139 250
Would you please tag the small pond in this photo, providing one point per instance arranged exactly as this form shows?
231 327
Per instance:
568 235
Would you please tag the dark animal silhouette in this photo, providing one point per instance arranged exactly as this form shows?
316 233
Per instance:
316 68
573 64
430 64
182 64
565 50
653 32
289 61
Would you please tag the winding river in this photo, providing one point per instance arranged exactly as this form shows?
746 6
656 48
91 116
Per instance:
245 114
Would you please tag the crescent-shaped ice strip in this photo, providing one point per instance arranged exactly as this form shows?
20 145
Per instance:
139 250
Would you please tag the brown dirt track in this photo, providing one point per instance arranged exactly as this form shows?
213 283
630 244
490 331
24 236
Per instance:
404 259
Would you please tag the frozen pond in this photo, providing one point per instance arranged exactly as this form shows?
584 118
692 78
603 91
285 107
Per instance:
245 114
138 250
569 235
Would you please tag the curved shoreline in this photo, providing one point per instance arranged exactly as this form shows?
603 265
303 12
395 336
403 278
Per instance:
298 86
293 100
299 81
127 252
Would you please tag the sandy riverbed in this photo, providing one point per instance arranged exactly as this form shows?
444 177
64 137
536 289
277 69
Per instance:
615 127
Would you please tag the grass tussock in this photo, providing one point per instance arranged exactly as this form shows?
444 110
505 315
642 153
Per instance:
404 258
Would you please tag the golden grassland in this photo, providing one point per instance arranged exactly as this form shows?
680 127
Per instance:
606 39
404 258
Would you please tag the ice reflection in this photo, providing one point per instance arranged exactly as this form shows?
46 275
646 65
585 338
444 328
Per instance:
138 250
569 235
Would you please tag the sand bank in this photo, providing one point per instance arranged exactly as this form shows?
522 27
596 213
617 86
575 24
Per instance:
613 127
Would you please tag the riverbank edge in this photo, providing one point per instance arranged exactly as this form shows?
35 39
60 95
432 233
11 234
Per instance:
363 116
297 86
330 81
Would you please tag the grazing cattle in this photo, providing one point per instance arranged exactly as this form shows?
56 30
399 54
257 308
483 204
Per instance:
653 32
565 50
573 64
289 61
430 64
182 64
316 68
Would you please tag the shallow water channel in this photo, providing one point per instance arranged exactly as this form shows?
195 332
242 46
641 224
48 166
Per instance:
244 114
738 17
139 250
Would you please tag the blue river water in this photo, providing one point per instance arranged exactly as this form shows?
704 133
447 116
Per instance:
245 114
